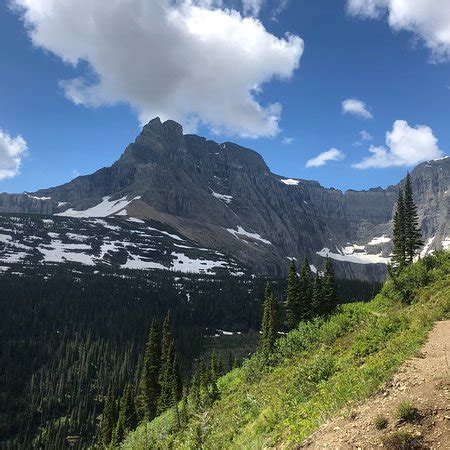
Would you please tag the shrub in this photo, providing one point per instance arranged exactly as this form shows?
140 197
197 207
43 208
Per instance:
407 411
380 422
402 440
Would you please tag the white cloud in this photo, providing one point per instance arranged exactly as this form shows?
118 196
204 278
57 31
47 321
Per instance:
287 141
356 107
320 160
427 19
252 7
12 151
405 146
185 60
365 136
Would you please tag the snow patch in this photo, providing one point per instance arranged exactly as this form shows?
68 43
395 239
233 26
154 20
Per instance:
137 263
348 254
135 220
426 248
58 252
105 208
290 181
183 263
226 198
446 243
380 240
37 198
241 232
173 236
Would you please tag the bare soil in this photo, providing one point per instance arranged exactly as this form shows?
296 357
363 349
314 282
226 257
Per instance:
424 381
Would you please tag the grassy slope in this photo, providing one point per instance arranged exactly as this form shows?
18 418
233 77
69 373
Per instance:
316 369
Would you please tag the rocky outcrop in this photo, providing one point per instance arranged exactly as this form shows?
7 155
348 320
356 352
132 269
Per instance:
224 196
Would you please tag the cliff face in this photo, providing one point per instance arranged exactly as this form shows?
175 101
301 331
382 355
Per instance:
224 197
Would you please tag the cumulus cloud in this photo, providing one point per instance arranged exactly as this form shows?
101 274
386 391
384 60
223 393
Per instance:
405 146
12 151
330 155
287 141
356 107
428 20
186 60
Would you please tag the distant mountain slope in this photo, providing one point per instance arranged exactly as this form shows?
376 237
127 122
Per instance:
224 197
108 243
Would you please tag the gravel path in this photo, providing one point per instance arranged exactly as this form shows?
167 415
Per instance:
424 381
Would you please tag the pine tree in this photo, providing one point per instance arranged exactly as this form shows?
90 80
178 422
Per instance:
413 235
147 399
304 312
109 417
292 298
166 379
316 298
330 290
399 238
269 322
166 341
127 420
194 391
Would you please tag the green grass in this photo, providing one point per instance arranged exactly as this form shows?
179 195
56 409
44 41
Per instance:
316 370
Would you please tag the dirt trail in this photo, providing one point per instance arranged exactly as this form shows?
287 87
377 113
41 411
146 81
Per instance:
424 381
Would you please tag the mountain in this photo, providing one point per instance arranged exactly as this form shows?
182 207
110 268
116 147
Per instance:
224 198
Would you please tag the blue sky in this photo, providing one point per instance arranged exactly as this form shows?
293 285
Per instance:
401 74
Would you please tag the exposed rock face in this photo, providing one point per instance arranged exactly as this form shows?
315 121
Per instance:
224 196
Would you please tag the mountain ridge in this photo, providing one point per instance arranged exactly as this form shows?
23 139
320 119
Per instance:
225 197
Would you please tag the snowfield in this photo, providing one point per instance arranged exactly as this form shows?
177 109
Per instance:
104 209
240 233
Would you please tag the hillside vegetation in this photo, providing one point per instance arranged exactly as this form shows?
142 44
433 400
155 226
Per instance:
314 371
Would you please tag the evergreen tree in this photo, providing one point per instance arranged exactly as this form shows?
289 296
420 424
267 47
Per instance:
166 342
413 235
109 417
399 238
305 312
292 298
269 322
316 298
147 400
127 420
167 379
330 289
194 391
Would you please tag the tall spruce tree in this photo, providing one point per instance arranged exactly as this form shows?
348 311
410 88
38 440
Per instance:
127 420
109 417
304 309
330 289
166 379
269 322
147 399
316 298
413 235
292 298
399 238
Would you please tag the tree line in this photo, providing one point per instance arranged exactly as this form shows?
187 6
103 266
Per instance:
307 296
